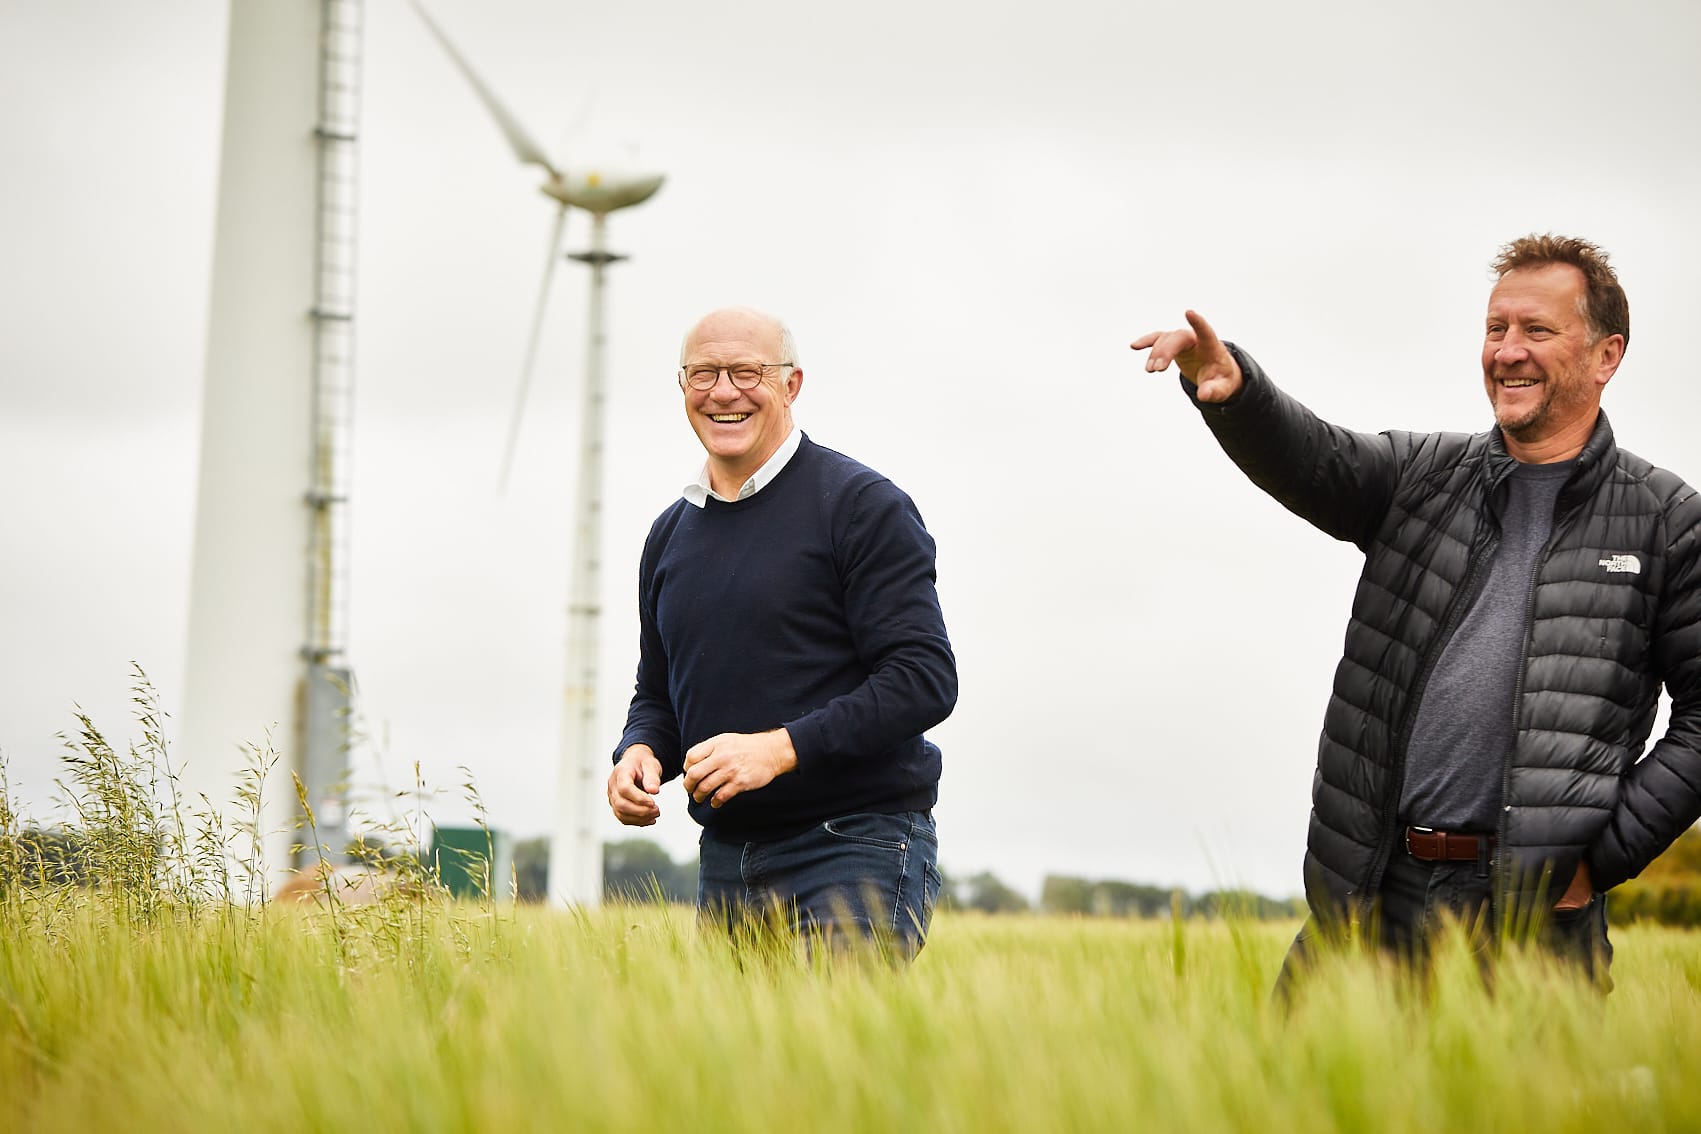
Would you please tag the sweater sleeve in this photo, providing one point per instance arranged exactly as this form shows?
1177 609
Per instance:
650 719
886 563
1338 480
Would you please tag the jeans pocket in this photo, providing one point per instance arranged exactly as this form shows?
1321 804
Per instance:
1572 922
1580 935
890 832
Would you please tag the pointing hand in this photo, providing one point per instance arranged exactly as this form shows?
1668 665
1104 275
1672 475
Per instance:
1200 355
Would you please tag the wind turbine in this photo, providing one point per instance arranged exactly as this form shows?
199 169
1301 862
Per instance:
268 606
575 852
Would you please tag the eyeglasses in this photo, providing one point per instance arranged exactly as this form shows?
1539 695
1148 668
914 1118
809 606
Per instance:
744 375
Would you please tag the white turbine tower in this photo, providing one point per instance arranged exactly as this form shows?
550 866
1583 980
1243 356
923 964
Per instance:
268 598
575 852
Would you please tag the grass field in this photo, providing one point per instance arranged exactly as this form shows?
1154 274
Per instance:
160 995
438 1017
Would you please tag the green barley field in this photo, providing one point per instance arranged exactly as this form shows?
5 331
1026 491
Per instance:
159 995
429 1016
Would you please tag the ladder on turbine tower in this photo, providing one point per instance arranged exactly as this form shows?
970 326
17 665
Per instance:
329 681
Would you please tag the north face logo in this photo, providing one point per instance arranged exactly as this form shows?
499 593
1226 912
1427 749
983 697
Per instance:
1622 564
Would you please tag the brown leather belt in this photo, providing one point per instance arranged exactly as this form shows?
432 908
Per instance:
1446 846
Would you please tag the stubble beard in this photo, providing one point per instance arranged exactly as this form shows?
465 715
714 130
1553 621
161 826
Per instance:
1525 427
1563 391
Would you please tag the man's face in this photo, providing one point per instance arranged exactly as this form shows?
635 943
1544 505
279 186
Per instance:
740 429
1543 376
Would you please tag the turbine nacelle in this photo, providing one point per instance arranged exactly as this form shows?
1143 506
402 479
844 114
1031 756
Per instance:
598 190
601 191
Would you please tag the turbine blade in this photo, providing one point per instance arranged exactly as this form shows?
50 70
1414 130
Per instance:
573 137
521 142
531 346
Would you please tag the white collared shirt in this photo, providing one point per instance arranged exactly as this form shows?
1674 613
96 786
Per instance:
698 492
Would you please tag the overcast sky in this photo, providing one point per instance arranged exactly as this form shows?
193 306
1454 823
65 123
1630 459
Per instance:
966 212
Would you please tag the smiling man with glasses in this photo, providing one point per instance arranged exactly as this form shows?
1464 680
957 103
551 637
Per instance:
792 654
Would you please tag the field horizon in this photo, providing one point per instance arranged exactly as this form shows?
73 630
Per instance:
430 1015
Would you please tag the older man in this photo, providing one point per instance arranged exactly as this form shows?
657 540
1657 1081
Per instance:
792 654
1526 590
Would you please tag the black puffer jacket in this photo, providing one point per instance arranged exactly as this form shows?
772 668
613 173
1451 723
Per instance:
1615 611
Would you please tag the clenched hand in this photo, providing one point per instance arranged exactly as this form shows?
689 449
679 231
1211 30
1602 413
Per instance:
633 784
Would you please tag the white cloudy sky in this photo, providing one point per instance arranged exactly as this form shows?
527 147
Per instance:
966 211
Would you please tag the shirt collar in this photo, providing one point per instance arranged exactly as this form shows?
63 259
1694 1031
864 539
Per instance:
698 492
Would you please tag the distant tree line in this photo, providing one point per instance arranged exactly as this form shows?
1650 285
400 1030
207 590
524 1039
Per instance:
39 856
1667 893
641 869
632 870
1082 897
1112 898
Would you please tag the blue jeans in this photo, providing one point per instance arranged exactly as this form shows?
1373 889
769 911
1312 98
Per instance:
1419 898
867 876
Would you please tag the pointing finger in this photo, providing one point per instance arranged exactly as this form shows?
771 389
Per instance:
1208 340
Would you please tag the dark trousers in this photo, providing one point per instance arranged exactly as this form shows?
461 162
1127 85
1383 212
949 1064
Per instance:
863 877
1418 899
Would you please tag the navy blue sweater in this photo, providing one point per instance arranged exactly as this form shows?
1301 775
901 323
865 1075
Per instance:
810 605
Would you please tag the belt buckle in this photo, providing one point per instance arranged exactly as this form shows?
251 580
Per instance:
1419 830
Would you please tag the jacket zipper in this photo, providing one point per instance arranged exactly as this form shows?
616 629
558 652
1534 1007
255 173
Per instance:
1497 886
1390 809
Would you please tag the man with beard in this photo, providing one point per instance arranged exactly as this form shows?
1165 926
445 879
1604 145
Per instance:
1525 593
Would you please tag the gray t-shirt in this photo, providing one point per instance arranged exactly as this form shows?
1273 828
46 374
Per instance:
1463 730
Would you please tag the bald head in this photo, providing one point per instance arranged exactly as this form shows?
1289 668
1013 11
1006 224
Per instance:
743 323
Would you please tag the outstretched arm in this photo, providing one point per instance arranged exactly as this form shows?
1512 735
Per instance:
1337 479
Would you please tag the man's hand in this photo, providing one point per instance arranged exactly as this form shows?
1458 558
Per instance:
1577 894
632 784
1202 357
734 762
